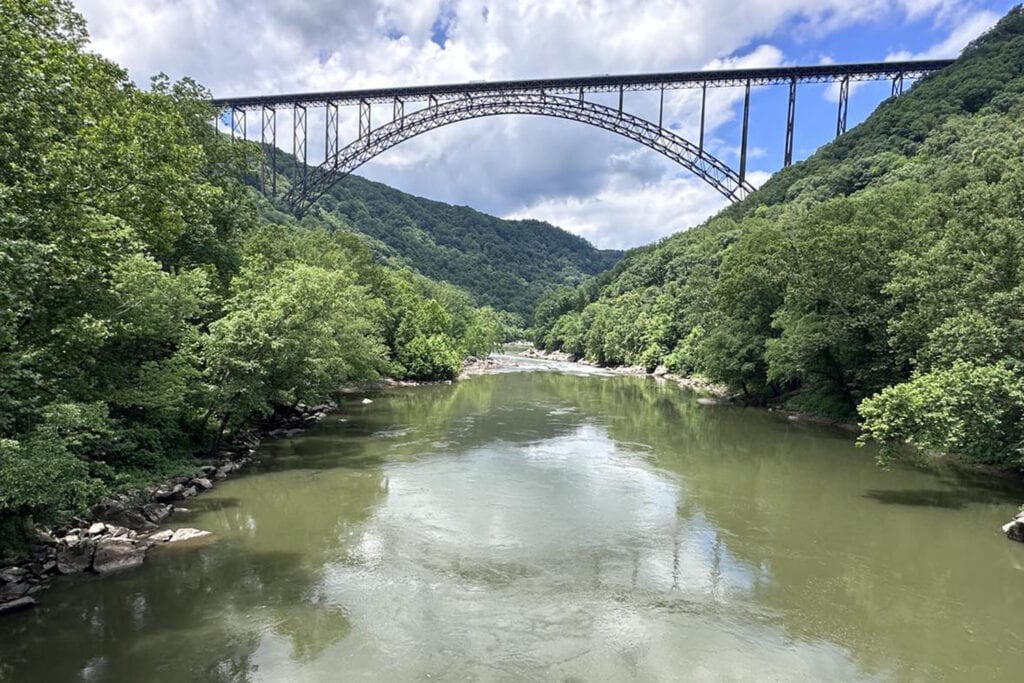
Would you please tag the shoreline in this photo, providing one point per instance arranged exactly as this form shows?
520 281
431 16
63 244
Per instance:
119 530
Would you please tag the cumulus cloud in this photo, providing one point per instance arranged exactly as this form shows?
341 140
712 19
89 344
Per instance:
584 179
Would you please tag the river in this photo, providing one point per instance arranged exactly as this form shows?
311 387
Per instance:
553 522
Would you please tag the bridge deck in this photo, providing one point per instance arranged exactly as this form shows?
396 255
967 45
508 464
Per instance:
823 73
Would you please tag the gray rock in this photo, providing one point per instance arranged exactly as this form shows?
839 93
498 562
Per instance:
156 512
165 495
162 536
75 557
202 483
207 469
220 475
97 529
13 591
1014 530
188 493
132 519
187 535
660 371
19 604
115 554
12 574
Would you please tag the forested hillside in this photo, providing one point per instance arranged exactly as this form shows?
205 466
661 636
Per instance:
506 264
881 279
145 313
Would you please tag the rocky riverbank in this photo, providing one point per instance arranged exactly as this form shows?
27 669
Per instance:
118 531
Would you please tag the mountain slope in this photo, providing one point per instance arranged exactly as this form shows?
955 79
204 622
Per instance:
507 264
885 274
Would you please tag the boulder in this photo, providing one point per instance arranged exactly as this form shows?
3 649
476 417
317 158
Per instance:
367 400
156 512
166 495
19 604
202 483
187 535
188 492
162 536
13 591
97 529
660 371
1015 530
107 507
115 554
12 574
131 519
75 556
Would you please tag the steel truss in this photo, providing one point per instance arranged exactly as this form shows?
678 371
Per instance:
443 113
560 97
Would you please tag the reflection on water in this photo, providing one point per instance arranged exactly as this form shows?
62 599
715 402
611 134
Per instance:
556 526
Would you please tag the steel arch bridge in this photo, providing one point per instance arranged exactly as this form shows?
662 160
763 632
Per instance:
563 98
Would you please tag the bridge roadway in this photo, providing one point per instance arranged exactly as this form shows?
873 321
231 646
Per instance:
822 73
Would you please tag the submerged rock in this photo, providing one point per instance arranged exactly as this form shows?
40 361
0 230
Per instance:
115 554
186 534
19 604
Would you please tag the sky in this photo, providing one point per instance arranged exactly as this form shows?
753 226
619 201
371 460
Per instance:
608 189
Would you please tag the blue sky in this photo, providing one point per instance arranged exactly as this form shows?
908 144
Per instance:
586 180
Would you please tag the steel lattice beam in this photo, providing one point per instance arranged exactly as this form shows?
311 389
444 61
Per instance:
683 152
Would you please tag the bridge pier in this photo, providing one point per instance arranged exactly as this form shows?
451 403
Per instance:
743 143
790 124
844 105
269 146
299 144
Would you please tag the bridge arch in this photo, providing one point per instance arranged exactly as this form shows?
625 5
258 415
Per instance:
436 114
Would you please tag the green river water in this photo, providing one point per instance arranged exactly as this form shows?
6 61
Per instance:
559 524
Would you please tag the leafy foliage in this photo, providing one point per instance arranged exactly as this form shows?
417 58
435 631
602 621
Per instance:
882 275
144 312
505 264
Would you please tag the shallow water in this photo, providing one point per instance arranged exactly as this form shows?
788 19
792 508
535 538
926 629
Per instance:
568 526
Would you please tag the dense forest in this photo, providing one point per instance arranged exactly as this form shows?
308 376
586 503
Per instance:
881 279
506 264
146 314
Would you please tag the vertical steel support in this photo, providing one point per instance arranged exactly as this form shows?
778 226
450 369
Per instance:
364 120
621 90
844 105
237 123
331 132
790 122
268 139
661 108
398 113
743 142
432 102
897 85
581 95
703 111
299 143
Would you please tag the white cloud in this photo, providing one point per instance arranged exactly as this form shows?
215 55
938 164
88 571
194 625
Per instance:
967 29
582 178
